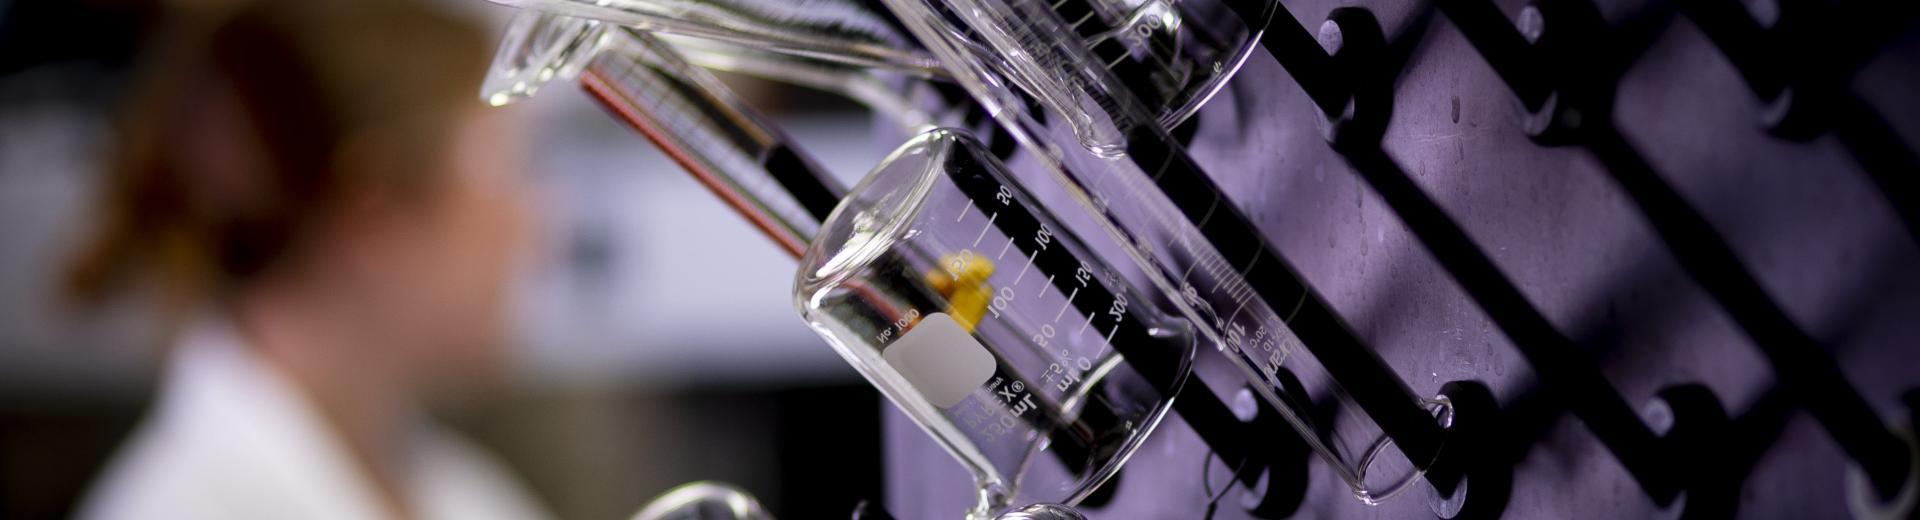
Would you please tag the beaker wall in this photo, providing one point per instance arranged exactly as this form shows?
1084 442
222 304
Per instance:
975 312
1191 242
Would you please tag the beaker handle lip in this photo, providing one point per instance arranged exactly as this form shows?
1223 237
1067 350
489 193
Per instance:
1443 411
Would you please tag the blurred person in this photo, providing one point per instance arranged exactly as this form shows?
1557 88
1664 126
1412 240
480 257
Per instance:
313 195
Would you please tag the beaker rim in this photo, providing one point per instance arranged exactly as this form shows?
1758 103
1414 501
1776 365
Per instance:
838 251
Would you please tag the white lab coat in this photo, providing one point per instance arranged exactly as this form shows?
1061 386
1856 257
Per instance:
231 438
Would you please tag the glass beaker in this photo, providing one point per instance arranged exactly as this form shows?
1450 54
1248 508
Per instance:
1173 55
834 30
1049 92
726 145
537 48
977 314
704 500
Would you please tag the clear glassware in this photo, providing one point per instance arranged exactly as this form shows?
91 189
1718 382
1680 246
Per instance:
1051 93
833 30
989 324
1173 55
727 146
704 500
536 49
887 95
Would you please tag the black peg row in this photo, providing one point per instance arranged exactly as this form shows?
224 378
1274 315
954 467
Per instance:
1561 60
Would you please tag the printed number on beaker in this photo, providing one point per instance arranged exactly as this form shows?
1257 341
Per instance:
901 324
1001 299
957 264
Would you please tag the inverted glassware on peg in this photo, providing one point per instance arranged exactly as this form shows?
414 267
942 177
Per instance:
1073 444
840 46
887 95
833 30
992 326
1173 55
746 160
1047 88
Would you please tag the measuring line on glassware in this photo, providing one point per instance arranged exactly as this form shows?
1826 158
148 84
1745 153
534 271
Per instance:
1160 190
1102 310
749 165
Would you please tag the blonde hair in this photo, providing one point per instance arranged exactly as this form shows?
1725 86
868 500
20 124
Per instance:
279 88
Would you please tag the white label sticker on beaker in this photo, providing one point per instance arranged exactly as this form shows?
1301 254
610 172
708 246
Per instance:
941 359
